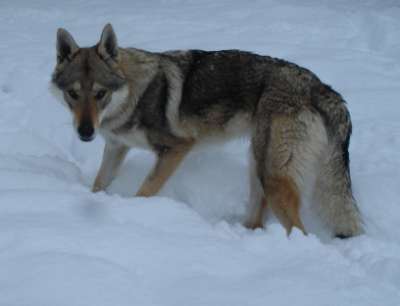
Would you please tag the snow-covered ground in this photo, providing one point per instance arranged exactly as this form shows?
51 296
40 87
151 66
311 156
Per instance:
62 245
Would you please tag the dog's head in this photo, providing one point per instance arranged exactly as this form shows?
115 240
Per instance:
87 78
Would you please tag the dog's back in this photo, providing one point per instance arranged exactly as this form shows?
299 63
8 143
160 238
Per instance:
300 131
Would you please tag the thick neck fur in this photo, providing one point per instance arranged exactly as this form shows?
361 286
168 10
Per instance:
139 69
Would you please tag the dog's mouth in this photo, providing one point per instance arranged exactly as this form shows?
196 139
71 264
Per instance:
86 138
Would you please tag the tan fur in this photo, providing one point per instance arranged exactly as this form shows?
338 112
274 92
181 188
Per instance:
294 146
166 165
284 199
86 111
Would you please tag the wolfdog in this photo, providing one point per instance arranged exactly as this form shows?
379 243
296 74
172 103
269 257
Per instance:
169 101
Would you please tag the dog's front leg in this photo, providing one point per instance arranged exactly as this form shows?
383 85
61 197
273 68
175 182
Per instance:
167 162
113 157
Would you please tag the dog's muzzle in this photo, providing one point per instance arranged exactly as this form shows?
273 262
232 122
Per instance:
86 132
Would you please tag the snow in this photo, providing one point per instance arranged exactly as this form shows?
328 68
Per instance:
62 245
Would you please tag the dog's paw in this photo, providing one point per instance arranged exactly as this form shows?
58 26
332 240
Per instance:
96 188
253 225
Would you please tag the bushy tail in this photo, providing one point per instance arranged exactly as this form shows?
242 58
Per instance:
333 193
332 107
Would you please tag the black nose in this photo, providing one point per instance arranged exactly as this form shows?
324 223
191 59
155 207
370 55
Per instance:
86 132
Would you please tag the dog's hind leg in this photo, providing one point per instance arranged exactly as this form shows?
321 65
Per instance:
284 199
257 204
289 157
256 215
113 157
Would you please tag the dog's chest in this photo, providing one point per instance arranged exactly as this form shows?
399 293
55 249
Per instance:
135 138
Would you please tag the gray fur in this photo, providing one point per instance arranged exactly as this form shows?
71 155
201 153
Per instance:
180 97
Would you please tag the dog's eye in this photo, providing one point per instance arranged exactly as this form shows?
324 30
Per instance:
100 94
72 93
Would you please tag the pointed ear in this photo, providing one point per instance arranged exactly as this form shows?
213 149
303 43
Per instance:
108 47
66 45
